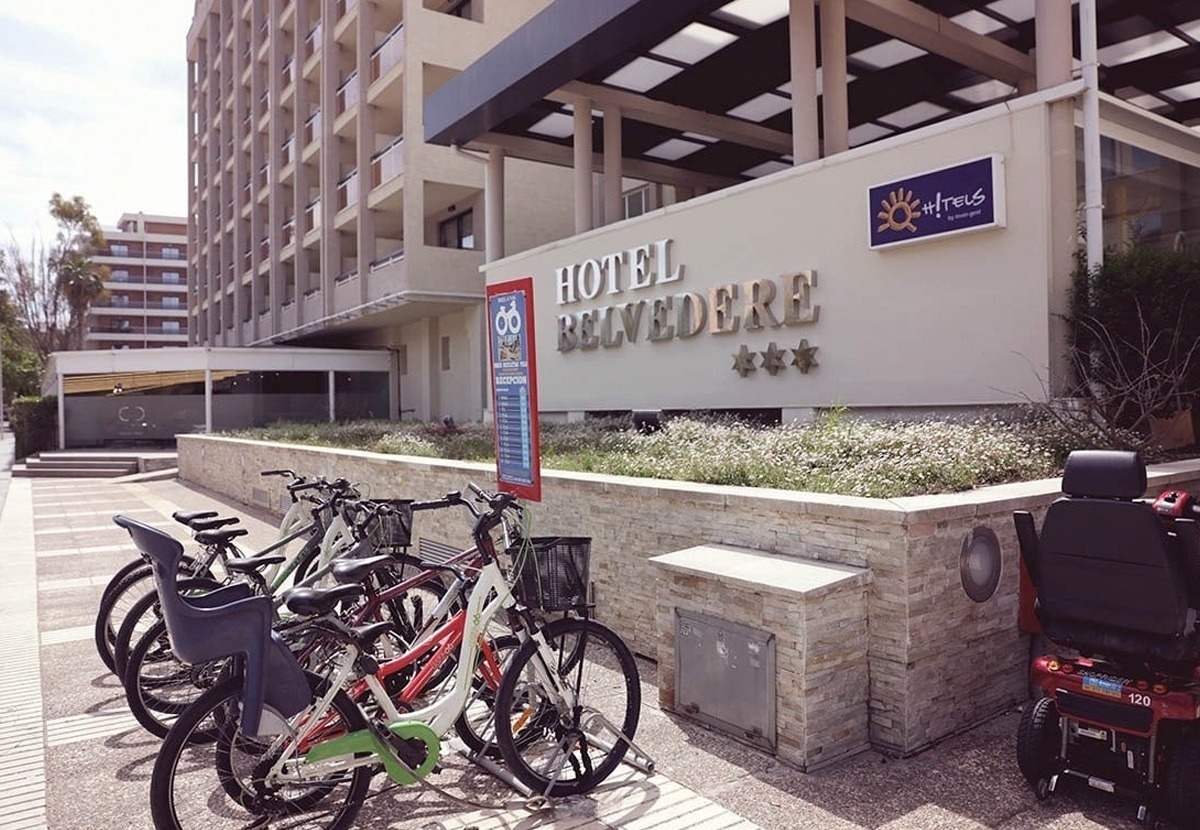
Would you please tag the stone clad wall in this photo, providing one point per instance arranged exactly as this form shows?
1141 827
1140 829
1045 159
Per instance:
937 660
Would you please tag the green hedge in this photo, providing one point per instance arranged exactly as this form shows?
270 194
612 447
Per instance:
34 422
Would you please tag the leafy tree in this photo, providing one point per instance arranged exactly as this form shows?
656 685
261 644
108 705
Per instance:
51 286
21 363
77 280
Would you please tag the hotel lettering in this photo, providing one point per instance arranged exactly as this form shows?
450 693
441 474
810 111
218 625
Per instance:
617 278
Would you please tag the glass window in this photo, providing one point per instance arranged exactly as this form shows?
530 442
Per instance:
445 354
359 395
171 277
260 398
637 201
170 302
170 326
170 253
457 232
1148 198
119 250
120 276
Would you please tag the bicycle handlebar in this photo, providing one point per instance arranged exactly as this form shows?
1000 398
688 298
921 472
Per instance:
281 472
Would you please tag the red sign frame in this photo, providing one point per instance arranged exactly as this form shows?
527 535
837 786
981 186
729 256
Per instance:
530 490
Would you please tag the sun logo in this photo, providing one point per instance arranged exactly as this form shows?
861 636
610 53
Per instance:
899 211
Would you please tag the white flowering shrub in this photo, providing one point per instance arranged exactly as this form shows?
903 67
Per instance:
834 455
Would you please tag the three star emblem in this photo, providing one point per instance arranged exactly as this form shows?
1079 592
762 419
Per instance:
774 359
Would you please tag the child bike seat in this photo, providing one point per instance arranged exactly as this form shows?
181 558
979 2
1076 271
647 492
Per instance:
202 631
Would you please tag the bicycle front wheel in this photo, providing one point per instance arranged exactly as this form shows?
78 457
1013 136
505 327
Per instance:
228 783
565 712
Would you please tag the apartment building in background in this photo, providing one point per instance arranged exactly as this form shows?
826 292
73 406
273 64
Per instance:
318 215
146 302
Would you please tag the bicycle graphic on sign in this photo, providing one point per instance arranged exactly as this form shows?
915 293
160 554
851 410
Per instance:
507 323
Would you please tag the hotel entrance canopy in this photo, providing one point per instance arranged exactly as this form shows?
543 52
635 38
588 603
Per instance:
150 395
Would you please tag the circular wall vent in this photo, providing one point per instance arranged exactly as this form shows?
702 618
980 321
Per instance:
980 563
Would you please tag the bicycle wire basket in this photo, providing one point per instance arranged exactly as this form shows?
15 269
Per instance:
390 529
551 573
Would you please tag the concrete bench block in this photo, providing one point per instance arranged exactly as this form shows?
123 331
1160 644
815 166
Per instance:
818 614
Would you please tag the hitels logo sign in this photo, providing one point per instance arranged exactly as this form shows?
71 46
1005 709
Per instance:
951 200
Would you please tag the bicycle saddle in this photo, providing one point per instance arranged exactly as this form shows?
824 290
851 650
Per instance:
219 537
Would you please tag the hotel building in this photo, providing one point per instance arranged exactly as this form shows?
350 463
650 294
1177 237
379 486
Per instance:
317 214
145 304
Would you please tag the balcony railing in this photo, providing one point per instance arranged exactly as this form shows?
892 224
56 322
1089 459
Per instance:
312 128
387 259
388 162
313 42
130 328
388 54
347 93
264 103
347 191
138 304
264 248
264 176
289 150
136 252
312 213
346 275
289 71
288 232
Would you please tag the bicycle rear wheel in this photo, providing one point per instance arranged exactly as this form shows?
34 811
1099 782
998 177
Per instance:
224 784
118 598
569 750
144 613
158 687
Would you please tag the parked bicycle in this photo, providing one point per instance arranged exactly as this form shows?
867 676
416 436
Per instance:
296 745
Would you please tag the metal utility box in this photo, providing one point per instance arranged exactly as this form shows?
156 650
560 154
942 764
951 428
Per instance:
726 676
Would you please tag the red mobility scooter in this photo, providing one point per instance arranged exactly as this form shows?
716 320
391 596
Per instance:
1117 580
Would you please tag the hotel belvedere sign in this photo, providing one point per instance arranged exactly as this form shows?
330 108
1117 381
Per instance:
951 200
514 387
615 315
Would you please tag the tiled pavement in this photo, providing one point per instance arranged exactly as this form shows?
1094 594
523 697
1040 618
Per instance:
73 757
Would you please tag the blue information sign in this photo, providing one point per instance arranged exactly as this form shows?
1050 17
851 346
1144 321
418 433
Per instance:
514 387
951 200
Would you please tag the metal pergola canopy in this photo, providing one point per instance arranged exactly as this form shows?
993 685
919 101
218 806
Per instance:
728 64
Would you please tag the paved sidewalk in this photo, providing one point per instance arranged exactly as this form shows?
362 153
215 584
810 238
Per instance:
74 758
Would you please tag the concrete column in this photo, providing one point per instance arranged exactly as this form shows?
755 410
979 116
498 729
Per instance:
275 209
365 146
806 144
1052 32
584 220
493 208
1053 59
613 167
332 396
208 402
62 412
331 253
835 111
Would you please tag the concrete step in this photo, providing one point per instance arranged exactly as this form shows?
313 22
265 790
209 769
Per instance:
21 470
80 463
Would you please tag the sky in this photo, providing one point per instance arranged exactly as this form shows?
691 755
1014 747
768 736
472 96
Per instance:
93 102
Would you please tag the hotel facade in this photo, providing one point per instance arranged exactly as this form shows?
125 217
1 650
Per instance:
879 203
317 214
